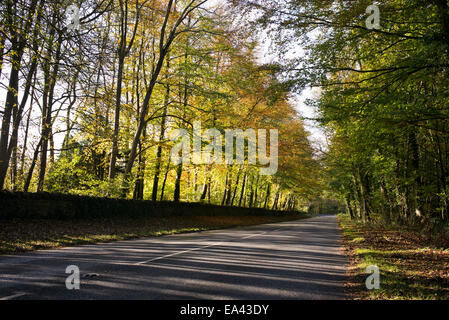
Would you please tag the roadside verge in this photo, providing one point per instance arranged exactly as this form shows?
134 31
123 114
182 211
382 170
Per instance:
411 266
22 235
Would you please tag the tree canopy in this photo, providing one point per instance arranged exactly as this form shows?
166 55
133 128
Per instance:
383 98
91 101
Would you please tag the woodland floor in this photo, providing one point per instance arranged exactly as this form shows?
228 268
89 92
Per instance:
412 265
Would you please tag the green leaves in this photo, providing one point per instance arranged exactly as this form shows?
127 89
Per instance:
383 96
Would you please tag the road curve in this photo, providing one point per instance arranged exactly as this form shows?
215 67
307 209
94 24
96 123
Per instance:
290 260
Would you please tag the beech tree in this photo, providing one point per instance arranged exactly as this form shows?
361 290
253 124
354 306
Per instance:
89 107
382 98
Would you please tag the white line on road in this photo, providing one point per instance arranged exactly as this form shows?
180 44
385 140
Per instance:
177 253
253 235
17 295
200 248
259 234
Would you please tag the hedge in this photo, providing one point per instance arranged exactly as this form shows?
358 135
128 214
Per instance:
64 206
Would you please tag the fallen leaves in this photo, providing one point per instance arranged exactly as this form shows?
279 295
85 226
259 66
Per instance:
412 266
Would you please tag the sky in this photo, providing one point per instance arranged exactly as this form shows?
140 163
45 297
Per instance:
265 55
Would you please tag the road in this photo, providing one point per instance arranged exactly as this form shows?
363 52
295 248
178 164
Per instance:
290 260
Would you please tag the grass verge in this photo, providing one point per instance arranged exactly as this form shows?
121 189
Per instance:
18 236
411 266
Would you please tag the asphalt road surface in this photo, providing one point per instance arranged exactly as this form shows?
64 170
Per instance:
290 260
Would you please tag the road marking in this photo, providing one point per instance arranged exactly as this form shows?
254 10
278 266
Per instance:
13 296
200 248
177 253
253 235
259 234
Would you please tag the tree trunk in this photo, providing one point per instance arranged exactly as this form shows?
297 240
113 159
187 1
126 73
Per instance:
225 192
177 193
243 190
165 180
251 194
348 207
47 106
10 105
115 134
267 196
123 51
25 140
26 185
18 43
275 203
206 185
163 50
236 186
161 138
